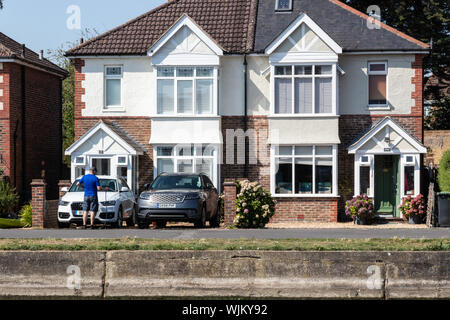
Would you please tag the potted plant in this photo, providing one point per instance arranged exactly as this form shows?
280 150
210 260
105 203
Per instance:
360 208
443 197
413 209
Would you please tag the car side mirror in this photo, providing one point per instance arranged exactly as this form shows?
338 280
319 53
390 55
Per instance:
124 189
146 186
65 189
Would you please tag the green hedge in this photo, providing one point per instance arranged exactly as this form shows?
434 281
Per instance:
444 172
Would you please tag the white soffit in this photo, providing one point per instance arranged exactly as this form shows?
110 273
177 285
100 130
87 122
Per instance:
187 21
383 125
304 18
175 131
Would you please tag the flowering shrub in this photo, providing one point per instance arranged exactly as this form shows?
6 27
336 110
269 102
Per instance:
254 206
412 206
360 207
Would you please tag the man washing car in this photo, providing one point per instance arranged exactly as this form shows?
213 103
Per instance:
91 187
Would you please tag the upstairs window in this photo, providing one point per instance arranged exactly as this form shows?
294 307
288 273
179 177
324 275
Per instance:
113 86
185 90
283 5
303 89
377 83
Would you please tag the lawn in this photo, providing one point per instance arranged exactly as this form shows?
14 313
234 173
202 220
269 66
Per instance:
134 244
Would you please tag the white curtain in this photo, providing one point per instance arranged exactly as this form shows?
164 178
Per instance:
204 96
303 95
323 95
165 96
283 96
184 96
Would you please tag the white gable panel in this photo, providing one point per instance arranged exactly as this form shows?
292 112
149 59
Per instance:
101 143
303 39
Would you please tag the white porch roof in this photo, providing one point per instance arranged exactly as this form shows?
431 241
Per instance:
386 137
106 138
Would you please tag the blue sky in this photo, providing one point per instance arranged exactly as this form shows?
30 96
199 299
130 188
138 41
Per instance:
42 24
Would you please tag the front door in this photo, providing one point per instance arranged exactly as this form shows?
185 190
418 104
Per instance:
386 185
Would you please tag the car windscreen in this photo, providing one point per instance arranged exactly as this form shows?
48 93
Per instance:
104 183
177 182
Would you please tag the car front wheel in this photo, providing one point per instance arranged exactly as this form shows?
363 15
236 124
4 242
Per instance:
131 221
201 222
119 221
215 220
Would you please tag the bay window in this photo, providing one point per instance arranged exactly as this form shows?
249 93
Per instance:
185 90
113 86
304 170
304 89
186 159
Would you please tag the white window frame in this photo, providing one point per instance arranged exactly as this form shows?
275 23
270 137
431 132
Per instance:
357 181
195 157
384 106
113 77
313 157
416 165
175 78
313 76
277 6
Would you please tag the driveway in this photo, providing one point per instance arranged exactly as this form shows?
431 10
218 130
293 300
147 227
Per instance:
192 233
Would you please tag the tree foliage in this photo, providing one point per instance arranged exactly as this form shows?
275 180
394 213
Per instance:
1 4
444 172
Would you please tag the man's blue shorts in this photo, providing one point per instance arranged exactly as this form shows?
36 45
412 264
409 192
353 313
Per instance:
90 204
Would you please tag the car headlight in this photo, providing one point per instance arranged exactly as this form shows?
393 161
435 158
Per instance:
63 203
108 203
192 196
145 196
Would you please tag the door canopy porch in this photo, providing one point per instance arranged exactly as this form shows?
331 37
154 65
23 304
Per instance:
386 137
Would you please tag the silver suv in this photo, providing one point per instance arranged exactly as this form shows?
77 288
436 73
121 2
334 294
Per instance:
179 197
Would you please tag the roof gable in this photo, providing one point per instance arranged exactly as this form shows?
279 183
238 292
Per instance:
300 24
185 41
399 140
106 135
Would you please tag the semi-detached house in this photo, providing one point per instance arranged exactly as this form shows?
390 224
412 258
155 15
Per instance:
328 100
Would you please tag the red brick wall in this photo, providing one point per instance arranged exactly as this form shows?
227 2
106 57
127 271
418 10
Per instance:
42 126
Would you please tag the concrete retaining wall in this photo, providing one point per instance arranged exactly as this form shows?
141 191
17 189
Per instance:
256 274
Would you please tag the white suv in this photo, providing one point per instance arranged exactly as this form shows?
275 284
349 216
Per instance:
115 206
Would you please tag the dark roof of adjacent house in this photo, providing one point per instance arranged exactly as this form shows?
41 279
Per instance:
11 49
229 22
345 25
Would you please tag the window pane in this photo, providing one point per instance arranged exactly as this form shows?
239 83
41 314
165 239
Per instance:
323 70
204 166
165 96
204 97
284 151
79 171
186 151
165 165
377 67
165 151
205 72
113 92
185 166
283 71
113 71
324 176
303 70
205 151
122 172
166 72
303 176
284 5
377 89
364 180
303 95
303 151
409 180
324 151
283 96
283 179
103 166
323 95
185 72
184 97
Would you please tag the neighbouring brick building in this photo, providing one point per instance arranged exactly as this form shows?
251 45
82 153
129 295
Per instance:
30 117
310 98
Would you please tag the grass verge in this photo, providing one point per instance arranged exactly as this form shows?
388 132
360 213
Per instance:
135 244
10 223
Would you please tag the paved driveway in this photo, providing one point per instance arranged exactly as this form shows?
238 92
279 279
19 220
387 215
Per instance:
191 233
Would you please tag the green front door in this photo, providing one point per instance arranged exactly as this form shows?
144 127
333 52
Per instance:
387 184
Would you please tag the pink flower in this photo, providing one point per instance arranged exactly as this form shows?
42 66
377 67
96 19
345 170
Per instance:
246 211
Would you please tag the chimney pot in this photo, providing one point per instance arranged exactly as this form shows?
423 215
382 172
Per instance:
23 50
41 55
81 40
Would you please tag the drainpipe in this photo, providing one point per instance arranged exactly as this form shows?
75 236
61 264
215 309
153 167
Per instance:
24 136
245 115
